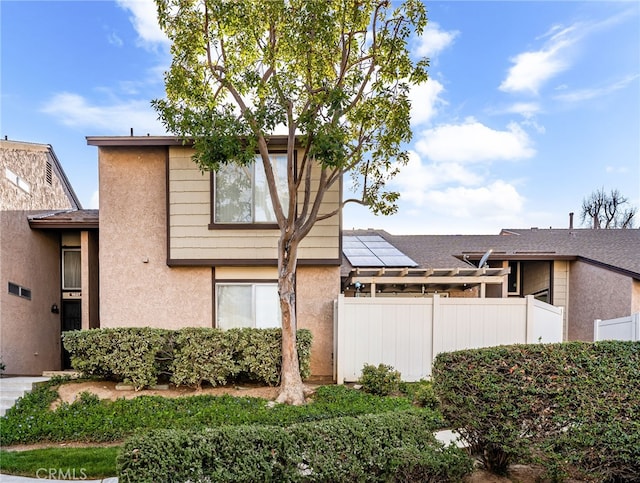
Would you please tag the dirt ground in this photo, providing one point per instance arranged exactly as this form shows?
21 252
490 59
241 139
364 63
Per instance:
107 390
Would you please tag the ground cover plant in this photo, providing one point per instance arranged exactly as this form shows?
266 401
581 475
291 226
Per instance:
93 420
571 407
61 463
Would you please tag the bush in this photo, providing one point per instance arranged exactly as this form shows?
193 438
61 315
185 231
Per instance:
140 356
258 353
202 354
382 380
421 393
385 447
567 406
129 354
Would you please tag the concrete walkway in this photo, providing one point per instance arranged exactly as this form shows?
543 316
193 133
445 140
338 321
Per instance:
13 388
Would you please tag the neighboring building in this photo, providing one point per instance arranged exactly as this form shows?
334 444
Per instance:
592 274
180 248
36 241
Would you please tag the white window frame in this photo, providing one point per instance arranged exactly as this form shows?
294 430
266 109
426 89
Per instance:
279 161
275 305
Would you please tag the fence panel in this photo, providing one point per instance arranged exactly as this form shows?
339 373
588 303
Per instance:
408 333
622 328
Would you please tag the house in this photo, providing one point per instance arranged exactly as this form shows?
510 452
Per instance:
182 248
591 274
178 247
44 241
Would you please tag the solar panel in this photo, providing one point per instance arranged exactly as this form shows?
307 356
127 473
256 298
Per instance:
373 251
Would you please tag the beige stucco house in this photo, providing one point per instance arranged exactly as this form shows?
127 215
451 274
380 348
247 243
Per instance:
591 274
180 248
45 240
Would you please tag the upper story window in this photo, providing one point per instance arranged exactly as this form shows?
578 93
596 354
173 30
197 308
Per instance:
241 193
17 180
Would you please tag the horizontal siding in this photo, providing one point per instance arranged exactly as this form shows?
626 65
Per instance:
190 215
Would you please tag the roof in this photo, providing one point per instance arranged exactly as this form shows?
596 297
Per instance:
68 219
121 141
618 250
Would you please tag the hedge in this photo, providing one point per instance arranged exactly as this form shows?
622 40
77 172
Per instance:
399 446
190 356
572 407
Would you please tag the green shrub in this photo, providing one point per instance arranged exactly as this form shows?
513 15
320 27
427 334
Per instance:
421 393
202 354
567 406
382 380
369 448
258 353
129 354
140 356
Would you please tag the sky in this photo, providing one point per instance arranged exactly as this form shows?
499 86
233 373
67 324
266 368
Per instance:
529 106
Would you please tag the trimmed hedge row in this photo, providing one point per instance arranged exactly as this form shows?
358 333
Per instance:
572 407
142 355
397 446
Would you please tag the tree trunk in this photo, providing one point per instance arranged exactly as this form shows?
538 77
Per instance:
292 390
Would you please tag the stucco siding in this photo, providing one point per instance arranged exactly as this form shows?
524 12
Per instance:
316 289
137 288
609 295
190 216
35 190
29 331
635 297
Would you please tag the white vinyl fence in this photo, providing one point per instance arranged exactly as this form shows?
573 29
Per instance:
408 333
622 328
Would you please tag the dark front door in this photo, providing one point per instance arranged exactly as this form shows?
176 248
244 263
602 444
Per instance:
71 320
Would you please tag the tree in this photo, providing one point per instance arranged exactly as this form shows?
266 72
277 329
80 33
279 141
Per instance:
607 210
335 74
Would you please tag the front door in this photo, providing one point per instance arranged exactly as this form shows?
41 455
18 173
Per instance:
71 320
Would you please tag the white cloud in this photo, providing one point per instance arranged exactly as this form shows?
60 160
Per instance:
74 110
433 40
425 100
497 201
415 179
473 142
145 21
581 95
532 69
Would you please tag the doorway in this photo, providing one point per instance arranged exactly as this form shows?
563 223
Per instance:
71 320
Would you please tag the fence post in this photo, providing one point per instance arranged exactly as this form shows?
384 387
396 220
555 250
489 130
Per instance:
529 319
636 321
337 341
596 330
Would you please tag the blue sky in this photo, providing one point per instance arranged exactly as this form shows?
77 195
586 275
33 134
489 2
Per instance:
530 106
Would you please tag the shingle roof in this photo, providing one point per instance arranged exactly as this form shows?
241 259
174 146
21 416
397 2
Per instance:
616 249
78 219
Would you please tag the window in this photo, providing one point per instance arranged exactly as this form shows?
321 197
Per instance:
514 278
71 269
241 193
247 305
15 289
17 180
